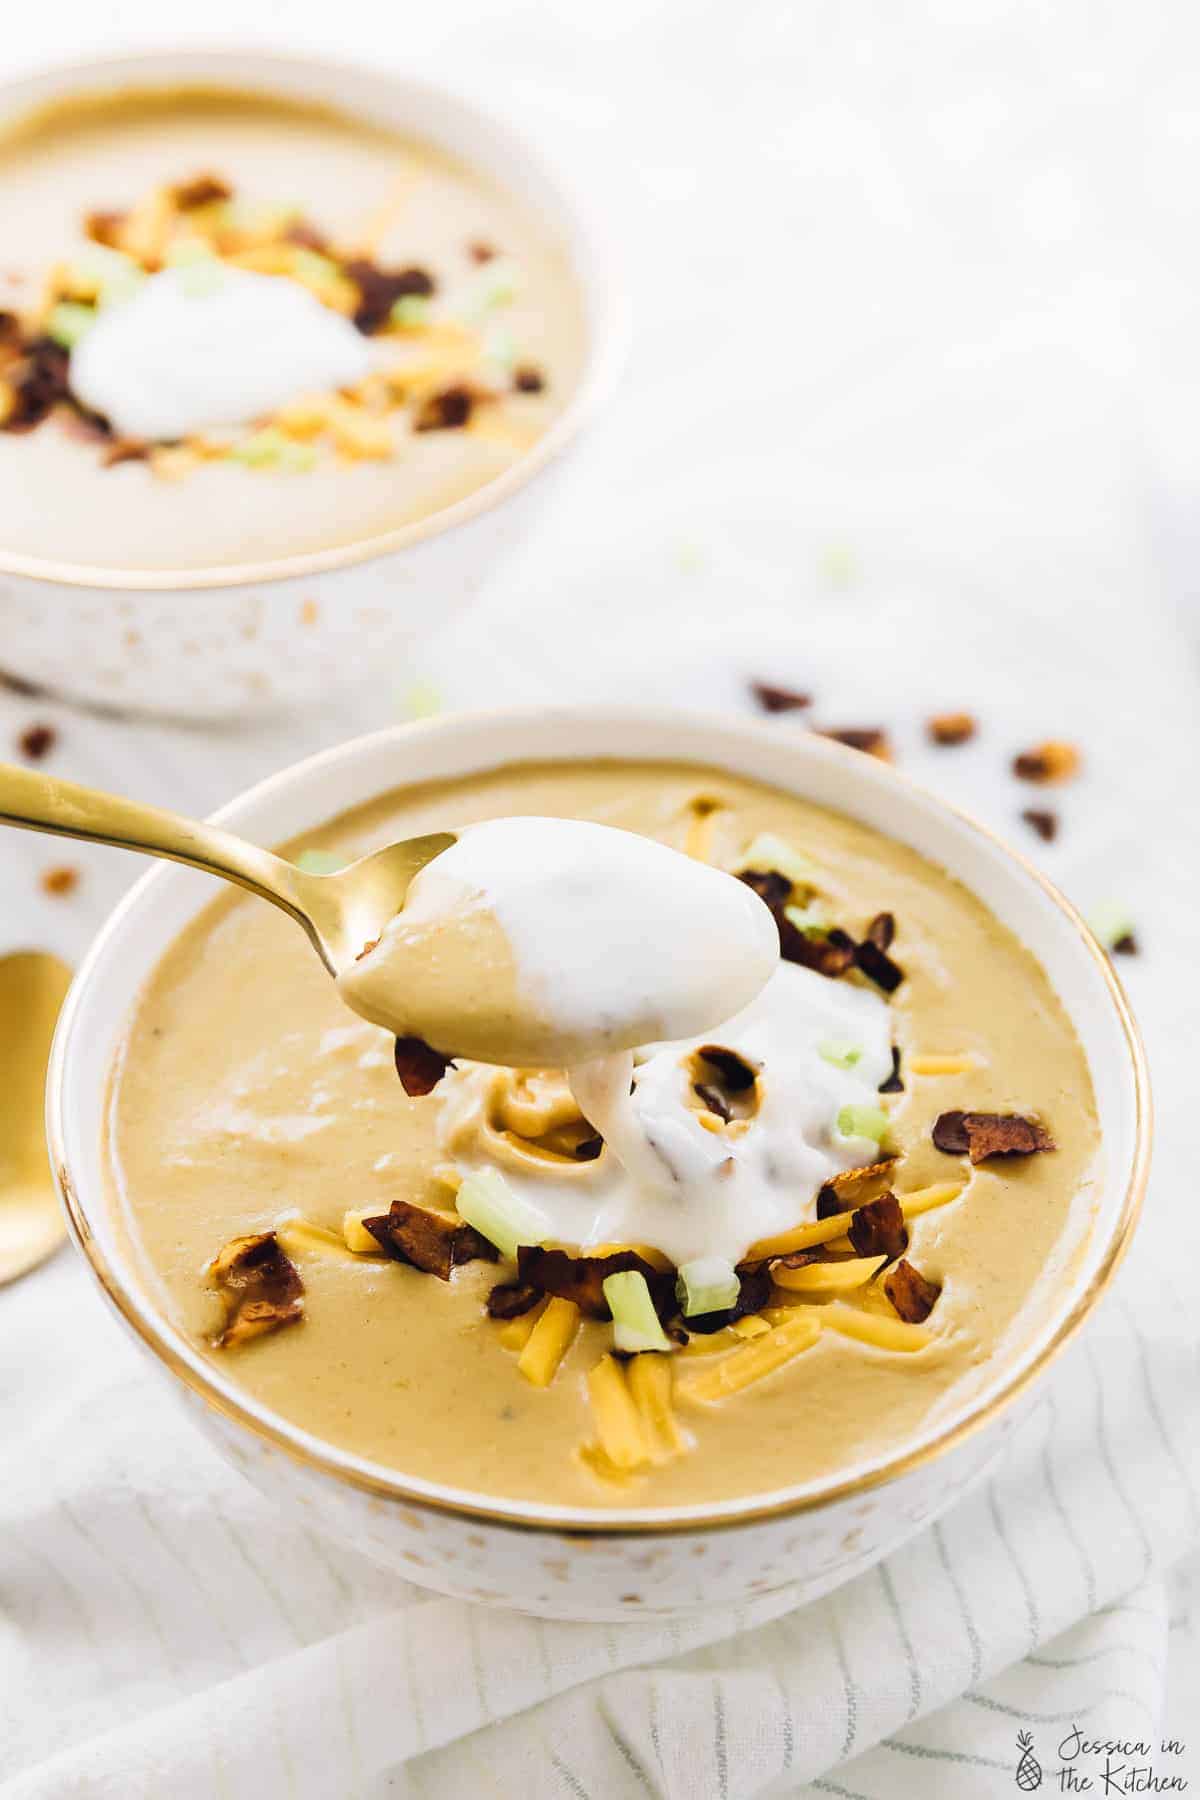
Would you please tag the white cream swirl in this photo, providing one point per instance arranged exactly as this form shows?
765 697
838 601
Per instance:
205 346
667 1181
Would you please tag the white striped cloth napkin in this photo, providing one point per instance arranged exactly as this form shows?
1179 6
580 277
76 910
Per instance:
163 1632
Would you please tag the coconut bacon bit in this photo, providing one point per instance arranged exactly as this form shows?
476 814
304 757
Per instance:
980 1135
951 728
37 741
431 1241
913 1297
1048 762
60 880
894 1083
855 1188
833 951
581 1278
779 699
419 1066
1045 823
878 1228
447 411
260 1288
379 289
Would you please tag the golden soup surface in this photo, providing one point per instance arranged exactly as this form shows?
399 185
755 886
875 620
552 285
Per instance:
245 1089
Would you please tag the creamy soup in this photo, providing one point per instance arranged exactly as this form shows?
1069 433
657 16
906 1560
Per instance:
817 1316
237 328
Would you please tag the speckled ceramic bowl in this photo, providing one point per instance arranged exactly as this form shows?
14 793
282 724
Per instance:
626 1560
240 640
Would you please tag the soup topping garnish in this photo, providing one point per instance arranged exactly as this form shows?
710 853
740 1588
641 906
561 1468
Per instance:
722 1202
198 326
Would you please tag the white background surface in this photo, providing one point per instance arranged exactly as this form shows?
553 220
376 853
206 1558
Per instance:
911 405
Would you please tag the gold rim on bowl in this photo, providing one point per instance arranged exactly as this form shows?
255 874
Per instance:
606 335
391 1485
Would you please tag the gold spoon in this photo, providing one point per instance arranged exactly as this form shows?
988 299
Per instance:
340 912
32 986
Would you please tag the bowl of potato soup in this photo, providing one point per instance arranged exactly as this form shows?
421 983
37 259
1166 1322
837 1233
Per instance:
283 344
679 1199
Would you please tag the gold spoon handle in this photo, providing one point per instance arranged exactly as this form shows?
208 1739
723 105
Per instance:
44 803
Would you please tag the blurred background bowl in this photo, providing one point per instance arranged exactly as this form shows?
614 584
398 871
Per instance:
231 642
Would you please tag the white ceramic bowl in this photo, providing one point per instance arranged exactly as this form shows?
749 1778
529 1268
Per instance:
226 642
626 1561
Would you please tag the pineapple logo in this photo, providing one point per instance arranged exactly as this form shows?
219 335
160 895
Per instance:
1029 1769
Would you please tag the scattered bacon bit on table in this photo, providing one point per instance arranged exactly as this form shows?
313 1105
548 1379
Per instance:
419 1066
1044 822
259 1286
1125 945
951 728
60 880
1048 762
980 1135
913 1297
37 741
779 699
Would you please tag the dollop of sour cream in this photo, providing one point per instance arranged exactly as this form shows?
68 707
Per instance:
667 1181
538 942
199 347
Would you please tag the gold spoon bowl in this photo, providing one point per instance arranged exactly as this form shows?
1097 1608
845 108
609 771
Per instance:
33 985
340 911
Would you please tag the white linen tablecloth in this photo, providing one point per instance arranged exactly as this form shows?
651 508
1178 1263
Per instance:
878 437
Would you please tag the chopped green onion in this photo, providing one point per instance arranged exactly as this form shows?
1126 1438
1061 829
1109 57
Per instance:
486 1201
841 1054
422 701
1110 922
707 1284
262 449
862 1122
500 347
839 566
499 286
689 558
812 920
69 321
298 459
410 310
769 852
319 862
635 1322
122 284
114 275
186 252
